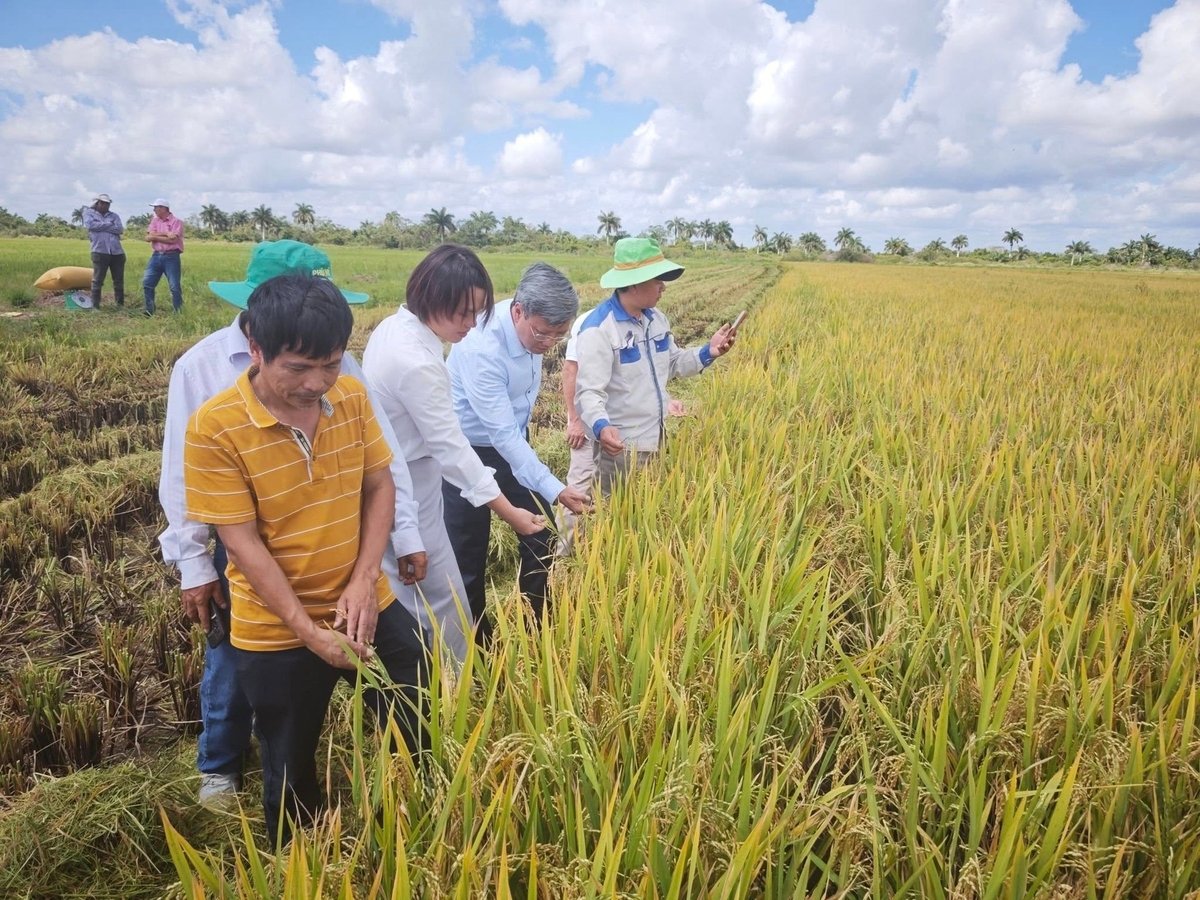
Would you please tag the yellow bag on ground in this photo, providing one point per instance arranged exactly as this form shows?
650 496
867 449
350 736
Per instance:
64 278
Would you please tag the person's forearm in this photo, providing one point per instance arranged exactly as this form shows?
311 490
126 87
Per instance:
570 373
196 570
378 511
185 546
522 459
502 507
406 530
184 542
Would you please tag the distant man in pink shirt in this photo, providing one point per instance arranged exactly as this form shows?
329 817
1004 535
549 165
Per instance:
165 234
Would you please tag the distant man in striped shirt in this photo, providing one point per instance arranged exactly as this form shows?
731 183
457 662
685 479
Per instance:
290 466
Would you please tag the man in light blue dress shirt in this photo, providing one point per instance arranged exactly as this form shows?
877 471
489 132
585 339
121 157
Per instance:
495 374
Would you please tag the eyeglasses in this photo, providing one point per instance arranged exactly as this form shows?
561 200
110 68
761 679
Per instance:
547 338
540 336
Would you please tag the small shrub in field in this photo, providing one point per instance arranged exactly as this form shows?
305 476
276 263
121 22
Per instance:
81 723
40 690
20 297
853 254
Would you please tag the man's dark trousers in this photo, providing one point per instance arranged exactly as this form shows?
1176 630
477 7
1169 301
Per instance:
102 264
470 528
289 691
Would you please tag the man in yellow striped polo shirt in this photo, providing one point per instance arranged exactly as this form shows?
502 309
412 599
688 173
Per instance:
290 465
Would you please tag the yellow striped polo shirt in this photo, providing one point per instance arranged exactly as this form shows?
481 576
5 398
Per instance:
242 464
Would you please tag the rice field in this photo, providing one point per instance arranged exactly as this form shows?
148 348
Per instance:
906 608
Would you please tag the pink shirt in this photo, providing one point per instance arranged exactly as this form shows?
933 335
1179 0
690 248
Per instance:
167 225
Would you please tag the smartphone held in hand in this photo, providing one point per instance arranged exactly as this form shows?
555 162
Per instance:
737 323
218 625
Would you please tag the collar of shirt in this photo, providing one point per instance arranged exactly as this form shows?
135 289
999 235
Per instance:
621 315
259 414
423 333
502 320
237 345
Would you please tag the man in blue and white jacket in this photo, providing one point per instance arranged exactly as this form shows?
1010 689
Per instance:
627 355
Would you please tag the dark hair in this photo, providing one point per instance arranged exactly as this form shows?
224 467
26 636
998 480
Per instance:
303 314
544 291
441 284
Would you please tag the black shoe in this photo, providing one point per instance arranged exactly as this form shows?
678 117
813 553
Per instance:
147 314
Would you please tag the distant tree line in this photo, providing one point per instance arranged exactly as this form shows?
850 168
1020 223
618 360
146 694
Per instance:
482 228
1145 250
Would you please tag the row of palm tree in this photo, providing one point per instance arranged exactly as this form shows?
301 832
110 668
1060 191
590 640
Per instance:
1077 250
809 243
674 231
846 241
264 219
261 217
1145 247
1143 250
482 228
898 246
681 230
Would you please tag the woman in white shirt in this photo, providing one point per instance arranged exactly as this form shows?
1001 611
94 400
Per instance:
405 365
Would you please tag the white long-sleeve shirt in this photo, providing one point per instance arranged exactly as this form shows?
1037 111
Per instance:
209 367
407 371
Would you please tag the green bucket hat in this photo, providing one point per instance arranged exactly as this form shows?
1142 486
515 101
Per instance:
636 260
271 258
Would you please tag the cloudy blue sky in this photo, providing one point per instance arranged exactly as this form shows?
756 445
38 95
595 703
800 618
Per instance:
1067 119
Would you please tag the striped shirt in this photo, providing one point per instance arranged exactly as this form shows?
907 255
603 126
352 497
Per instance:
241 464
169 225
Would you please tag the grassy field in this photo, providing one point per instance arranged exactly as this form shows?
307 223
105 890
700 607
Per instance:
907 608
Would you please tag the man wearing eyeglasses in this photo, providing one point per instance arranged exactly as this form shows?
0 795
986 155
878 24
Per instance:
495 374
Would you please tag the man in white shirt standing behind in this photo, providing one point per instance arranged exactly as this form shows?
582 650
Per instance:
209 367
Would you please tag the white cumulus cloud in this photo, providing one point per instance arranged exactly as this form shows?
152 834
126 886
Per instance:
537 154
921 118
